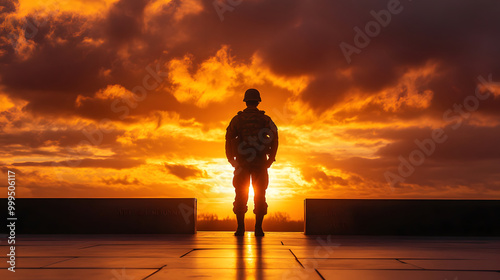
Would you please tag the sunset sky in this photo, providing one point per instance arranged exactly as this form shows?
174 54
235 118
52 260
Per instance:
131 98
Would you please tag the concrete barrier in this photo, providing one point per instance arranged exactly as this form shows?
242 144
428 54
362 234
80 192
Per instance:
402 217
102 215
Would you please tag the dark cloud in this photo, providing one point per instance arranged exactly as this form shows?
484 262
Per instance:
125 20
113 163
459 141
458 36
184 171
120 181
8 6
170 146
321 179
5 169
466 156
61 138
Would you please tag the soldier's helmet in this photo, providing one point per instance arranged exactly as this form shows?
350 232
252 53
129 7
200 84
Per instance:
252 95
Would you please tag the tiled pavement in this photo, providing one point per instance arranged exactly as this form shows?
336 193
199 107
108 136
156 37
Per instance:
219 255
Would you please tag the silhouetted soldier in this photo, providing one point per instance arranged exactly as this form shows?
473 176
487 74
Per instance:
251 146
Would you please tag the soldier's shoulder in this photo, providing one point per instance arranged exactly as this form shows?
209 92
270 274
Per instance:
265 115
270 121
238 115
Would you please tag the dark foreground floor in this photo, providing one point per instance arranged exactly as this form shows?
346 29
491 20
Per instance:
219 255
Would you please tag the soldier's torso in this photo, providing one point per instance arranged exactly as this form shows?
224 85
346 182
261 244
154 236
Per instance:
252 127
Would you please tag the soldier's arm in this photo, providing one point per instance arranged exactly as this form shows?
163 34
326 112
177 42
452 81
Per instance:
274 141
230 139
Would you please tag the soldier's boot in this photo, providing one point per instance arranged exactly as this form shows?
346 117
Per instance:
240 231
258 225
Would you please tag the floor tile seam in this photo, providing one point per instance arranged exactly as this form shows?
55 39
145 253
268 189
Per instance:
399 260
232 268
91 246
266 258
30 245
416 259
414 269
83 267
319 274
67 259
96 257
187 253
296 259
245 249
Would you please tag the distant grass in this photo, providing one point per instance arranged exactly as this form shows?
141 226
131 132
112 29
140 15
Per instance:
277 221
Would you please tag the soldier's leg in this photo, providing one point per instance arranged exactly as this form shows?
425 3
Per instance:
260 180
241 183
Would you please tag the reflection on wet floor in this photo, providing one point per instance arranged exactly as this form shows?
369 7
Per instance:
278 255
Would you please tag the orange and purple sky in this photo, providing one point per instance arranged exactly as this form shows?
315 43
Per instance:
131 98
